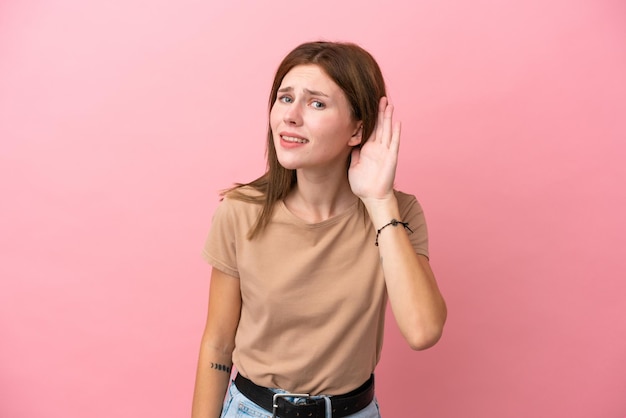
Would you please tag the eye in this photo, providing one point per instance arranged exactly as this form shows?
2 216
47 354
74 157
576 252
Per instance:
285 99
318 105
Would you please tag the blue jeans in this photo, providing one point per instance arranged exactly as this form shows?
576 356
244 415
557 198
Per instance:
236 405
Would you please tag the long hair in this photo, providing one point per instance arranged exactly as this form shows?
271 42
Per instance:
356 72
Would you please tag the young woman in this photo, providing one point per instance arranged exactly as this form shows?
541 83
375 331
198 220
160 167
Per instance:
306 257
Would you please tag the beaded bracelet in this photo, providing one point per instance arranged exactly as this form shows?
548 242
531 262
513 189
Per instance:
393 222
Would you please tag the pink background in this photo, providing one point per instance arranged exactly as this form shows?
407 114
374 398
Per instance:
120 121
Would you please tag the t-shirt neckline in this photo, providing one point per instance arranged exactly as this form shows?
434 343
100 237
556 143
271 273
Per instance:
330 221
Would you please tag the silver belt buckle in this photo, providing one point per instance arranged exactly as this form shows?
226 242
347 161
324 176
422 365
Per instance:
285 395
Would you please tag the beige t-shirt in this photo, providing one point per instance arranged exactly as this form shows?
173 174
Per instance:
313 295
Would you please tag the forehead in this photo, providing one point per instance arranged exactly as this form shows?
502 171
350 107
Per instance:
311 77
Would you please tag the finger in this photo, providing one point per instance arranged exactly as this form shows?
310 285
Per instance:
394 146
355 156
387 125
382 105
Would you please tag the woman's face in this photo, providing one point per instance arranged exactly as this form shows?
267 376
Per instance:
311 121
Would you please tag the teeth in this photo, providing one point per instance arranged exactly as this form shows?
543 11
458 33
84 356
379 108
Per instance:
293 139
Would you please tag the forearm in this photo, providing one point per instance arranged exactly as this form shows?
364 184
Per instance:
415 299
212 379
218 343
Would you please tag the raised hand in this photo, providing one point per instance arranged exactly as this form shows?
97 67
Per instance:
373 166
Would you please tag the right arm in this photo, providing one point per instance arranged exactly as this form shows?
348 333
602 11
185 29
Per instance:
218 343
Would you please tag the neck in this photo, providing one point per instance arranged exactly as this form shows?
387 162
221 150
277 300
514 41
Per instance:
316 198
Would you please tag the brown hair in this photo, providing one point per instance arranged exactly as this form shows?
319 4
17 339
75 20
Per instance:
356 72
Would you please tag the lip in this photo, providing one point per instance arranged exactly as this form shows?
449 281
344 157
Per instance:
286 144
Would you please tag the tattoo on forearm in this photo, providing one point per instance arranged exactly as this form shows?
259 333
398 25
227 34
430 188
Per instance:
220 367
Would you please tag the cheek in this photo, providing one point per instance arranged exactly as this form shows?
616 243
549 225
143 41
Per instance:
274 117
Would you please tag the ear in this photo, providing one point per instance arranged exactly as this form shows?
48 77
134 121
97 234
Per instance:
357 136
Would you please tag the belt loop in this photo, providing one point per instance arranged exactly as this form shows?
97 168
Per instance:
329 407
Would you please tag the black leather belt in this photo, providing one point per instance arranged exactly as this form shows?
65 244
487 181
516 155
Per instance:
342 405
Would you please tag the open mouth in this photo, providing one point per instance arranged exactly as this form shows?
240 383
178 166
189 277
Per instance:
293 140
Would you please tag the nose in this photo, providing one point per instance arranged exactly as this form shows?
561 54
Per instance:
293 114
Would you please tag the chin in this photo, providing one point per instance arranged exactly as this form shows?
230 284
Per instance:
289 165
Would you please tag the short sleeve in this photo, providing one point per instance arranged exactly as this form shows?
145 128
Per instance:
411 211
220 248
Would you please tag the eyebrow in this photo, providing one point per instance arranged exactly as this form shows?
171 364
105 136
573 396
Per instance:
310 92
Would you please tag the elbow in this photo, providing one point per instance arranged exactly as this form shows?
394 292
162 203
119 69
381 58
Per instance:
425 335
424 340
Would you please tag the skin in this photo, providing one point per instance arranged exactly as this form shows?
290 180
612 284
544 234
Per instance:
324 120
414 296
311 107
217 345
